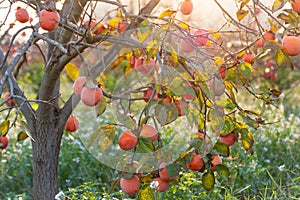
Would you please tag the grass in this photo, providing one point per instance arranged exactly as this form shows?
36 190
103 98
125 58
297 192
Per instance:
272 172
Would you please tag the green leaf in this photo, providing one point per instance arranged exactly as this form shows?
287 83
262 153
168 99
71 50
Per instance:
104 135
208 180
166 113
177 86
217 120
245 69
107 136
4 127
72 71
145 26
173 170
278 4
93 137
247 138
145 145
225 103
282 59
126 120
228 127
223 171
152 49
195 117
101 106
222 149
146 193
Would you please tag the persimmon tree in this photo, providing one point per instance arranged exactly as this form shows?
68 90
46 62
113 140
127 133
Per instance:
153 73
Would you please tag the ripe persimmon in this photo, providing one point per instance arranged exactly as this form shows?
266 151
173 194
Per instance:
197 162
146 66
10 103
122 26
295 5
291 45
201 37
186 7
149 131
222 71
162 185
91 96
49 20
228 139
187 45
79 83
22 15
147 94
181 105
130 186
72 124
3 142
267 36
216 160
248 57
163 173
127 140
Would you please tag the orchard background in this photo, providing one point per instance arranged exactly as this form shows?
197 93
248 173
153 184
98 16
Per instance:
150 99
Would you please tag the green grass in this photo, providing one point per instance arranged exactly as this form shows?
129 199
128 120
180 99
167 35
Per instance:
272 172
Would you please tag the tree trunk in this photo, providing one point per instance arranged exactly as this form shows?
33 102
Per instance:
45 151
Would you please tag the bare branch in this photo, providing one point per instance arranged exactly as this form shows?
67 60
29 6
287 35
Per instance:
50 41
11 66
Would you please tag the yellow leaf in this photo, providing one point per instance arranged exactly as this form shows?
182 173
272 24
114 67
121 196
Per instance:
278 4
119 13
22 136
4 127
282 59
209 43
152 48
184 26
241 54
244 3
72 71
146 179
166 13
100 82
173 54
241 14
273 26
142 36
218 60
214 33
114 23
